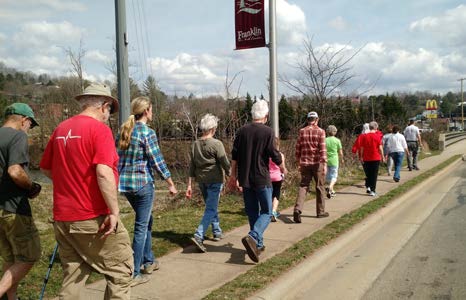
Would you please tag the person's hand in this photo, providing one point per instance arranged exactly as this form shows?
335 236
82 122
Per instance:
231 183
172 189
34 191
109 225
189 192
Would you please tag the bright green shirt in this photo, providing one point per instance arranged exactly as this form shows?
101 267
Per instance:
333 146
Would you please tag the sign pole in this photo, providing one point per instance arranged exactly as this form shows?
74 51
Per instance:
273 68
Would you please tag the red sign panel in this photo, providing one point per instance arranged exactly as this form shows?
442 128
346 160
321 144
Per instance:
249 24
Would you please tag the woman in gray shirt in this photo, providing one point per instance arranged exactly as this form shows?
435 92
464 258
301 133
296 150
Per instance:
208 167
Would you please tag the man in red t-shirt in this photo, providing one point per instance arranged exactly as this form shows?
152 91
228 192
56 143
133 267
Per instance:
371 153
81 160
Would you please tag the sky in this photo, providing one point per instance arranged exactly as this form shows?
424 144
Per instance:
188 46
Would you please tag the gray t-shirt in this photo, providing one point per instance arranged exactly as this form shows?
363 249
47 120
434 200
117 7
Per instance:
14 150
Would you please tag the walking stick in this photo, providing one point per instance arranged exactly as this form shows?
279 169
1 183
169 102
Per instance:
47 275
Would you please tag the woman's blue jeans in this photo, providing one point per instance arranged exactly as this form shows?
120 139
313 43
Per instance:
142 202
258 206
211 195
398 161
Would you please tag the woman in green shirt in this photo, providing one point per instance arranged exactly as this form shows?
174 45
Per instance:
334 151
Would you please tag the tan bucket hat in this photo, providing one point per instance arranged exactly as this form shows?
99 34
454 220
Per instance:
101 90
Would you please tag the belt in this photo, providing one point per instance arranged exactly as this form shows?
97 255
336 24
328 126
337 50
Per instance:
411 141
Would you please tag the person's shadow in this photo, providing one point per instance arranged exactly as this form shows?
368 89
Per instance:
237 256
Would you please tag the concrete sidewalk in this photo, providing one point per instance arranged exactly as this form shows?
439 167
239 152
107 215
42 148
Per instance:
187 274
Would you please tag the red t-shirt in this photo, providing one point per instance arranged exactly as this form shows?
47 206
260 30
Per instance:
74 150
370 143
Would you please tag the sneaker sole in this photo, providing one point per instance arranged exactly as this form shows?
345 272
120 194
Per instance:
249 244
199 246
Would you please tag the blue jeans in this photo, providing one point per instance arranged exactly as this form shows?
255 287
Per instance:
142 202
398 161
211 194
258 206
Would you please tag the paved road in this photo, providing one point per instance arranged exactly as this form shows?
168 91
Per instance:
432 265
413 249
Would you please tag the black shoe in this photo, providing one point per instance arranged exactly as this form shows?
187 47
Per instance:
416 168
297 217
410 169
328 192
251 248
323 215
396 179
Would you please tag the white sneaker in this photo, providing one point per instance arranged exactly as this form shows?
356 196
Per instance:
373 194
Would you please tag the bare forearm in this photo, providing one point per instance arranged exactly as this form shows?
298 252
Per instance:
107 185
20 177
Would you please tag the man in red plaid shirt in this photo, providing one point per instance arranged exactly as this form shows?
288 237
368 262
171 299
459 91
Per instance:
311 156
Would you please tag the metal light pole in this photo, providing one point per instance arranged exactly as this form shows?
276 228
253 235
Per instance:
462 113
122 59
273 68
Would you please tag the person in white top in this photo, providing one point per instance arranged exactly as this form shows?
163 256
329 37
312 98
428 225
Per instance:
413 139
397 147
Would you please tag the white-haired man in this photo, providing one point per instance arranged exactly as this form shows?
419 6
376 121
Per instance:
81 160
252 149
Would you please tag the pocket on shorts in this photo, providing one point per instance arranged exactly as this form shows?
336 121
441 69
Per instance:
118 247
27 241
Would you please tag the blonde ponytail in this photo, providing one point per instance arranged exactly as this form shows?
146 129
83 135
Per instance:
138 106
125 135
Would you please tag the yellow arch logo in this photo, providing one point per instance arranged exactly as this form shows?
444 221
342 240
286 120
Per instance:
431 104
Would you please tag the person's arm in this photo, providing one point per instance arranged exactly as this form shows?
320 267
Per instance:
381 152
223 159
107 186
20 177
189 189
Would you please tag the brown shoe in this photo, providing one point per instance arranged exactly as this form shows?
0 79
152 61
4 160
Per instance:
297 216
323 215
251 248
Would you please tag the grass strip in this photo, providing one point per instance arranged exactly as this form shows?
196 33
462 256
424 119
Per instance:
264 273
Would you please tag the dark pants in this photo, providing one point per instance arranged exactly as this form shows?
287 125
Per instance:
412 157
371 169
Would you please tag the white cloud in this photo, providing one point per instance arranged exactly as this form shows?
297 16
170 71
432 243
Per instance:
97 56
45 35
338 23
14 10
450 27
291 23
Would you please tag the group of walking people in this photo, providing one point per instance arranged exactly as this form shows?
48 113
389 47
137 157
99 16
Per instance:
88 168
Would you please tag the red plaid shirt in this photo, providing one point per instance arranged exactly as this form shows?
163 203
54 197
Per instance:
310 147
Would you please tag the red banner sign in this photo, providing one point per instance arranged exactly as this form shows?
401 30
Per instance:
249 24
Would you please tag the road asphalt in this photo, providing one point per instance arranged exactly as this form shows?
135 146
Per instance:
187 274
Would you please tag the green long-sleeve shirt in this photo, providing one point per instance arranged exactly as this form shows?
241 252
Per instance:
209 162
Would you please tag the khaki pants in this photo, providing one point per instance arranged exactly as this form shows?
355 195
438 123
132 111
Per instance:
82 250
308 173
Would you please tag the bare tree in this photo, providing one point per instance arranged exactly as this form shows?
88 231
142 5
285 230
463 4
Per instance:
322 72
76 60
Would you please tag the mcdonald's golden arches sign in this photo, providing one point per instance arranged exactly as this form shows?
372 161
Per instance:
431 104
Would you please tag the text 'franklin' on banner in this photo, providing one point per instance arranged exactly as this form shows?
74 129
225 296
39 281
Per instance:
249 24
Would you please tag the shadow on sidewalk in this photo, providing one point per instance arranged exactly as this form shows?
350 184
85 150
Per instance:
181 239
237 255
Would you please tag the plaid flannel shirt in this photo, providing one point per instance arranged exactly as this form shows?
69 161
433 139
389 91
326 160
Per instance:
138 163
310 147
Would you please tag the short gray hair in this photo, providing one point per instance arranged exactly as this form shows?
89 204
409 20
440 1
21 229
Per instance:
91 101
331 130
259 110
208 122
373 125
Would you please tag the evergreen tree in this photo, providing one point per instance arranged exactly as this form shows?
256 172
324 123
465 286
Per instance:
285 117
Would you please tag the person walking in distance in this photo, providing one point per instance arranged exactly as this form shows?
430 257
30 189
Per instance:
252 149
334 154
81 160
19 238
386 151
140 160
397 147
371 155
413 139
277 177
311 156
208 167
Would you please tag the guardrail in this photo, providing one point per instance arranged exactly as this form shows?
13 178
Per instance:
447 139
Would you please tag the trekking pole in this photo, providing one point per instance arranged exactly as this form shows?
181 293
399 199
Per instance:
47 275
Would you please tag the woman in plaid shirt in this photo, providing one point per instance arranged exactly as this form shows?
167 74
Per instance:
140 159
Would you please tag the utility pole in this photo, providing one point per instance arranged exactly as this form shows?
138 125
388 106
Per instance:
122 60
273 67
462 101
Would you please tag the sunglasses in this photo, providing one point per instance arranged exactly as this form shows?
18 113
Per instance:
110 107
